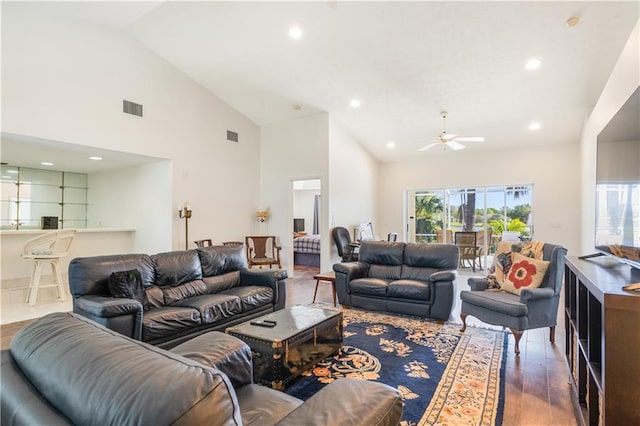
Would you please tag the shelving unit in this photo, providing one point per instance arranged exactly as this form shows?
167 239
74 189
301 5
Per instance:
602 324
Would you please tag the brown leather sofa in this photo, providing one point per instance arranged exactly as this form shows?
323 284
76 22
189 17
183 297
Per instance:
188 292
64 369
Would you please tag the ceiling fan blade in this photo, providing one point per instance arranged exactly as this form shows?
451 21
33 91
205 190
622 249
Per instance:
470 139
455 145
424 148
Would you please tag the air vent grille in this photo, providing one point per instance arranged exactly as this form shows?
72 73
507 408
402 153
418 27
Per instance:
232 136
132 108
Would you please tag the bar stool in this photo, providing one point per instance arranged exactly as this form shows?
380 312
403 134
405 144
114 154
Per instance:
47 249
328 277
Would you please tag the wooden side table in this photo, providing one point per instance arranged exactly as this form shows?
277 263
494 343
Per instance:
329 277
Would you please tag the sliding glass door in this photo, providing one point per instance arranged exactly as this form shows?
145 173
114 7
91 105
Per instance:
435 215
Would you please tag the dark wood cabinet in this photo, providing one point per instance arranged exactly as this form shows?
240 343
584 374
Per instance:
602 324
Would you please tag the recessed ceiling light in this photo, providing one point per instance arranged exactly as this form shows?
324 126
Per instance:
573 21
295 32
354 103
95 158
391 144
533 64
46 163
534 126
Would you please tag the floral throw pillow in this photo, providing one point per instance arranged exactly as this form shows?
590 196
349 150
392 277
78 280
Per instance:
525 272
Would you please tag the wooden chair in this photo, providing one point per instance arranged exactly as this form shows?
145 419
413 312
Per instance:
232 243
467 242
442 237
262 251
203 243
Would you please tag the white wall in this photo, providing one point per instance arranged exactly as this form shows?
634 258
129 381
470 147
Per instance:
133 197
308 138
622 82
65 81
553 171
353 185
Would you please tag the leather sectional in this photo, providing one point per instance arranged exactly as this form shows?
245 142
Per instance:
64 369
188 292
405 278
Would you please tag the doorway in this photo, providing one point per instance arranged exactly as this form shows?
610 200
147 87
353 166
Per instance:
306 226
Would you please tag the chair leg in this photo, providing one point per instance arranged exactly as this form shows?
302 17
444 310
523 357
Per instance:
55 266
552 334
333 288
35 283
463 317
316 291
517 335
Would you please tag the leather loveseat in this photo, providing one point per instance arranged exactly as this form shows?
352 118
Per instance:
188 292
406 278
64 369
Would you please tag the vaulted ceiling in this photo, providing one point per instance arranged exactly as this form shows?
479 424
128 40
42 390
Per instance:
404 61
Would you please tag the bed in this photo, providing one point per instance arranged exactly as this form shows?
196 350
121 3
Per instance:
306 250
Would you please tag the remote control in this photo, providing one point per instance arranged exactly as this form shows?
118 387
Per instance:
270 321
263 324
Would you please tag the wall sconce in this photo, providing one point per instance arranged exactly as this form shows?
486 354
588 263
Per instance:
185 214
262 215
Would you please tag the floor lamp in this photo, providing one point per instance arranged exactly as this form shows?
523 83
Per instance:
185 214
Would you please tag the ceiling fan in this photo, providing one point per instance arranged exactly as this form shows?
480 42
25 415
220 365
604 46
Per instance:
450 140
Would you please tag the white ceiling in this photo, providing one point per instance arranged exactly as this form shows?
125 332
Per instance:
405 62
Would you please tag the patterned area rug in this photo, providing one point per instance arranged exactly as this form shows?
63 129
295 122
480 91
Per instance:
444 376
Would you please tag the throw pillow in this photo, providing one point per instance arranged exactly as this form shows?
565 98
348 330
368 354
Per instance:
128 284
525 272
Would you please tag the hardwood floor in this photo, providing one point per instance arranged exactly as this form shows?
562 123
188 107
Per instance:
537 389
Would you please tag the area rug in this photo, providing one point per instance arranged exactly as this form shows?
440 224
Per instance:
444 376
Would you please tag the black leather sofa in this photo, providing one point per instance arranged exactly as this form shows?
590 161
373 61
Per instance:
64 369
406 278
189 292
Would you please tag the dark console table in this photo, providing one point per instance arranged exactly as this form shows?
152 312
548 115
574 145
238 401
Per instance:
602 324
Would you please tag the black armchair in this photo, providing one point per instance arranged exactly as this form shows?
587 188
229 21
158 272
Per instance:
346 249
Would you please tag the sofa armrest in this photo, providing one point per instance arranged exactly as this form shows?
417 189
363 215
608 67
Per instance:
274 278
118 314
478 284
221 351
443 276
530 294
349 402
345 272
442 300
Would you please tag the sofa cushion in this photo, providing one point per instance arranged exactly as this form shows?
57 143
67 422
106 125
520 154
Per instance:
177 267
370 286
217 260
422 260
183 291
213 307
497 301
409 289
155 296
385 258
128 285
252 297
96 376
168 320
90 275
218 283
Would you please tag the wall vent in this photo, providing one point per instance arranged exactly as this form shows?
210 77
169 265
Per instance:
132 108
232 136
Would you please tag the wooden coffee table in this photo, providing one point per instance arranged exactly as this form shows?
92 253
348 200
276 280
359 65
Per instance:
301 338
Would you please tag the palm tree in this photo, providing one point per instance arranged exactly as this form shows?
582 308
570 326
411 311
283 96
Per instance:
429 210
